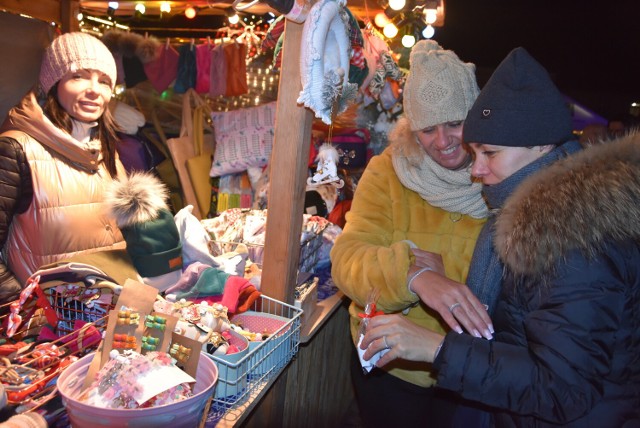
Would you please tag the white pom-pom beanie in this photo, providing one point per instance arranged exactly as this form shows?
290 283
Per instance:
75 51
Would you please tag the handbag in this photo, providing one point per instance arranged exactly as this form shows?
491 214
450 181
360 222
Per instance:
183 149
199 165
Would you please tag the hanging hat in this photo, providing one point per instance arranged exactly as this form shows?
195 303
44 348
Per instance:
75 51
324 60
439 88
519 107
138 204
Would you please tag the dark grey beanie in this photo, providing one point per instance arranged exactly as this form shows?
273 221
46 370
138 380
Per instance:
519 107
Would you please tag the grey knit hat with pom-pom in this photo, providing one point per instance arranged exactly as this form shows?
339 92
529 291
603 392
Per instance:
440 87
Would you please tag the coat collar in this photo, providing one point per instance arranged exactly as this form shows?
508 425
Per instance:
580 202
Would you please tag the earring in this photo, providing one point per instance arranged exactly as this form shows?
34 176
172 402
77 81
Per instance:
150 343
127 317
155 322
124 341
180 353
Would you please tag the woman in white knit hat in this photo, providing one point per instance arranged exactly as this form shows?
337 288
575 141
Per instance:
414 200
58 151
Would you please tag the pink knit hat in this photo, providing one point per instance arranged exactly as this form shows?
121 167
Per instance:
75 51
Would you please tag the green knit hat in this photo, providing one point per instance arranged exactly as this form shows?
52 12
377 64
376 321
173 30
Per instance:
154 245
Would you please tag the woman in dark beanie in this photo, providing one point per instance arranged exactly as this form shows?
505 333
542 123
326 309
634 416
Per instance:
57 153
564 244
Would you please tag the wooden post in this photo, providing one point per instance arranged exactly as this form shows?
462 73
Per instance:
289 171
69 15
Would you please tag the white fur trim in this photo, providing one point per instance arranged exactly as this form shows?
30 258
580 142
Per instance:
324 58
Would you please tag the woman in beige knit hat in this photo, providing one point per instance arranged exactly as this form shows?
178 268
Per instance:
415 205
58 151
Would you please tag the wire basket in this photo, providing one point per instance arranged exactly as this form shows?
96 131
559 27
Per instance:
72 302
309 250
69 320
243 379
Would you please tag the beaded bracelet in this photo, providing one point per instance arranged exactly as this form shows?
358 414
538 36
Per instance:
415 275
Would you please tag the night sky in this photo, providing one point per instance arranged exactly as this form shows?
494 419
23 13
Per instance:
590 48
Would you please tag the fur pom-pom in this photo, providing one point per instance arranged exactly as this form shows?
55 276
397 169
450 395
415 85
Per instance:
136 199
147 49
111 39
129 44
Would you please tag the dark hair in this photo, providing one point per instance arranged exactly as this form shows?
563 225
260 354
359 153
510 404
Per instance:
106 131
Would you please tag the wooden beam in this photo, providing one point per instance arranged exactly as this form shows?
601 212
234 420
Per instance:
69 15
62 12
288 175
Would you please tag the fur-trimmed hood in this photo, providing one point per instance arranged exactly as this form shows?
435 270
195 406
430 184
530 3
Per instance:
136 199
580 202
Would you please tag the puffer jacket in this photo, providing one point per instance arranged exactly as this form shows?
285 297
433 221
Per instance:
567 345
372 251
52 206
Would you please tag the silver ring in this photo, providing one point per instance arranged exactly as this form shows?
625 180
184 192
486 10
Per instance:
455 305
384 339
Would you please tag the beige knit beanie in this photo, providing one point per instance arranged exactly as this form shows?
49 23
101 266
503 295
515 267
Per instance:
439 88
75 51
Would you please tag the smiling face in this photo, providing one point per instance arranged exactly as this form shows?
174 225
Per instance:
85 94
443 143
493 164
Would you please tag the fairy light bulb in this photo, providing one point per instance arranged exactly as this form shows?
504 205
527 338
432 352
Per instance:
190 12
428 32
430 16
390 31
234 19
397 4
381 20
165 7
408 40
140 7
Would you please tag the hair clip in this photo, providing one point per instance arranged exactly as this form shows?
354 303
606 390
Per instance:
150 343
180 353
155 321
127 317
124 341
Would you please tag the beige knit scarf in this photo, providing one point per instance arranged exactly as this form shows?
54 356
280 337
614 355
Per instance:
450 190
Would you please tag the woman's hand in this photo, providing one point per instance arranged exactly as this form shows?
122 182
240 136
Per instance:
428 259
404 339
455 302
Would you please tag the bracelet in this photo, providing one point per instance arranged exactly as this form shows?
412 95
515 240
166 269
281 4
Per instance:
435 354
415 275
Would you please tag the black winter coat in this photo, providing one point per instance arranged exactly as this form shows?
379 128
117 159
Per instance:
567 345
16 191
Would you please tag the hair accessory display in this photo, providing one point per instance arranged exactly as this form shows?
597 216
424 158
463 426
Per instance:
124 341
180 353
126 317
150 343
155 321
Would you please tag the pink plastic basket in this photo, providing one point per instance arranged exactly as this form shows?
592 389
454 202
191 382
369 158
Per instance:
183 414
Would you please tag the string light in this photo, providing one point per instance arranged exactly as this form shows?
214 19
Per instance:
140 8
165 7
397 4
428 32
390 30
190 12
381 19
